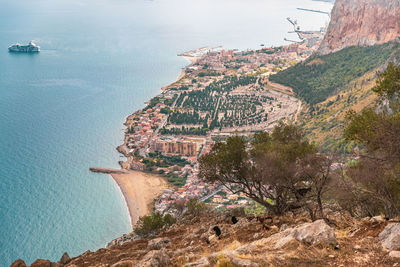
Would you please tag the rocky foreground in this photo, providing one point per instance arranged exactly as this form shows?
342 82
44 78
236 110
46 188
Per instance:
289 240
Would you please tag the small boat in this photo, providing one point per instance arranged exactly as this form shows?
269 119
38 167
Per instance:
30 48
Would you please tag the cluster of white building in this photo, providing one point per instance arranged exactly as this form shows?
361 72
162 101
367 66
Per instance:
251 60
142 125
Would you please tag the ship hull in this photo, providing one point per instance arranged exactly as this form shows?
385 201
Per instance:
30 48
23 50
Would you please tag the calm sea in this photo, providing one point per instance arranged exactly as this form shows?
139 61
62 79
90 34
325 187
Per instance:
61 111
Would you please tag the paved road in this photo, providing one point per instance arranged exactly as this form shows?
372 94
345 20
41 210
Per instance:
210 195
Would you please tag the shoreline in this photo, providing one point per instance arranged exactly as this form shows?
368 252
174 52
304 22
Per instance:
192 61
180 77
139 189
138 204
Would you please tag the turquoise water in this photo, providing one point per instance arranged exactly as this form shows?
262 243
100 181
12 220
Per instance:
61 111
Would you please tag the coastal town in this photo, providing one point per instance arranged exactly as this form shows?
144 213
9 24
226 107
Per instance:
220 94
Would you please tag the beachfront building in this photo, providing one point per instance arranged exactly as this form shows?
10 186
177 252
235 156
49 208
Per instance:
174 147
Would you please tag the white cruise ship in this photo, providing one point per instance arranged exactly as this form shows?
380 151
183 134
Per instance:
30 48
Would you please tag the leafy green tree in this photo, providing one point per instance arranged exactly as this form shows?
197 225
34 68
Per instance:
388 86
153 223
375 177
268 169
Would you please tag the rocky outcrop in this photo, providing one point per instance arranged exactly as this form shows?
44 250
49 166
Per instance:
41 263
361 23
394 254
154 258
45 263
308 233
37 263
158 243
316 232
18 263
390 237
64 258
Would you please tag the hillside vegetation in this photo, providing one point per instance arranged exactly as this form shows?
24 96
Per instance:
319 77
324 124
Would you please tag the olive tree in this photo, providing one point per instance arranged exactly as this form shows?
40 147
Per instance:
273 169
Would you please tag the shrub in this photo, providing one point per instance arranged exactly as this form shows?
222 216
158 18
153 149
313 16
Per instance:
374 180
153 223
195 207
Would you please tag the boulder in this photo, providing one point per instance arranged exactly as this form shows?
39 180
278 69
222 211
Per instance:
18 263
154 258
391 228
158 243
392 242
315 232
309 233
64 258
394 254
41 263
378 219
390 236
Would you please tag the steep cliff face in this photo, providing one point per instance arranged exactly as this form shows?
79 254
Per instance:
361 22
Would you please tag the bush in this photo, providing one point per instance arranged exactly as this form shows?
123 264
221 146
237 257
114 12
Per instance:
153 223
195 207
373 182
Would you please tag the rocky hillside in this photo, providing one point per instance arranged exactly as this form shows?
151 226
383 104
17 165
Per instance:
288 240
360 23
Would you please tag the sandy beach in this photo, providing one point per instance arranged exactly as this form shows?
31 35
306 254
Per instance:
181 76
192 60
139 190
